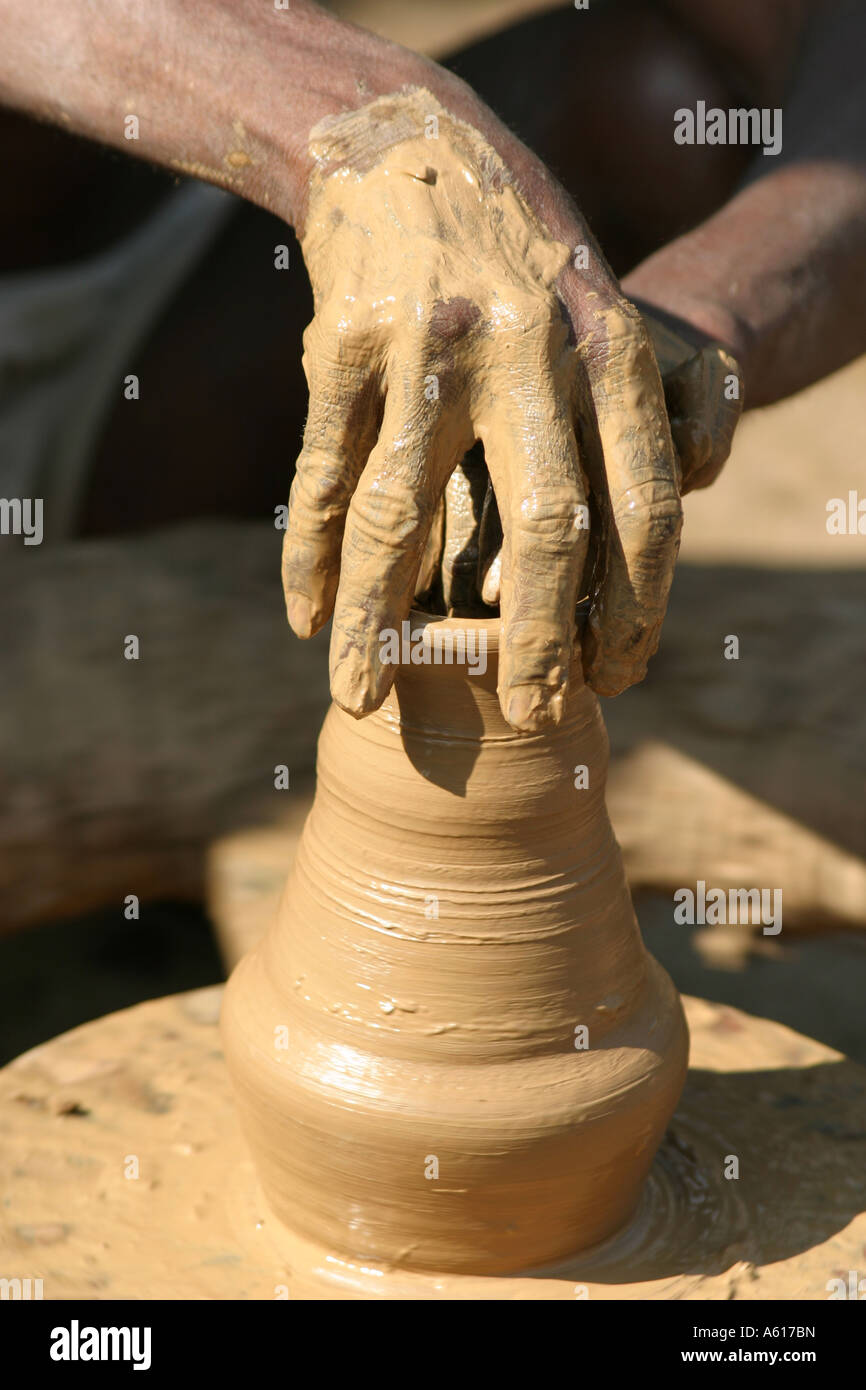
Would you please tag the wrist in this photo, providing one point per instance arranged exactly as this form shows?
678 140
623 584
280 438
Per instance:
349 68
699 318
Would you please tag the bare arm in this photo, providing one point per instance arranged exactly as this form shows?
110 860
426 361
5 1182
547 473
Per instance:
226 90
779 273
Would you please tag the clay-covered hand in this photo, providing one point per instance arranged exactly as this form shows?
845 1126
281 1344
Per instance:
445 314
703 393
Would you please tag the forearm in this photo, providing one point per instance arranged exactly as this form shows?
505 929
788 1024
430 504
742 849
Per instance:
225 90
779 274
228 90
779 277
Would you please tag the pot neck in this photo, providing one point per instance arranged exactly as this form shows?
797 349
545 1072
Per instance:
447 674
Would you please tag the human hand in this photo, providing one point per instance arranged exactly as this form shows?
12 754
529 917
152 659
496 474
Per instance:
703 393
447 313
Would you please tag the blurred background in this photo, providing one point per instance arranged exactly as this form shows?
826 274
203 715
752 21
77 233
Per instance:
151 393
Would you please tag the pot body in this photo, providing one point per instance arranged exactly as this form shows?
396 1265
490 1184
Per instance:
452 1050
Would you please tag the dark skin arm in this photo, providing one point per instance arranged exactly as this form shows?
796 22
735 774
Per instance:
230 92
779 273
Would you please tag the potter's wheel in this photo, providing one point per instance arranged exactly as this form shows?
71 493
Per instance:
149 1084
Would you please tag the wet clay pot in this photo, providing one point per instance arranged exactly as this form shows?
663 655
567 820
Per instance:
452 1051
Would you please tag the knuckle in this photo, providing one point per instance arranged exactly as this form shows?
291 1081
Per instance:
527 311
334 337
451 320
547 515
618 342
392 514
319 488
650 512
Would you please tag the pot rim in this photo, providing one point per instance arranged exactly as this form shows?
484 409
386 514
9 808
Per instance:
435 622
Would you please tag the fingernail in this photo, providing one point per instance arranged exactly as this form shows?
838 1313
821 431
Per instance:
300 614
